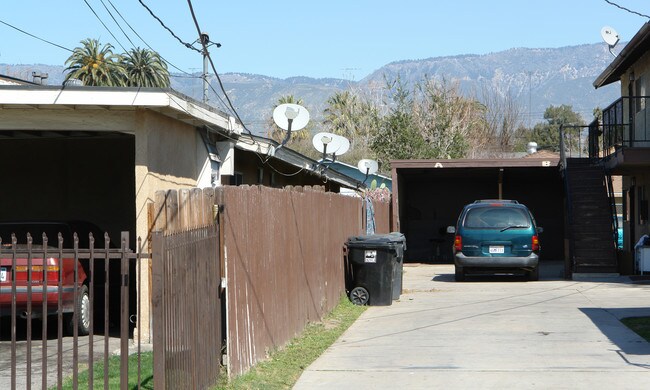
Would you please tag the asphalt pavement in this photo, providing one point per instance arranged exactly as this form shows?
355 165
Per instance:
493 333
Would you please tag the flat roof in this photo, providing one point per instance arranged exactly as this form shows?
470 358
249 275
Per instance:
543 162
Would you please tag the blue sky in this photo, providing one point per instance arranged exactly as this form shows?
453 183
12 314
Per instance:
335 38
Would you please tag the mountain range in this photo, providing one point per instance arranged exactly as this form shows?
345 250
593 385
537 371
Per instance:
534 78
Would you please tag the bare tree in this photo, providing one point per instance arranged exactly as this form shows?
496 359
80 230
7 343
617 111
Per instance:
502 118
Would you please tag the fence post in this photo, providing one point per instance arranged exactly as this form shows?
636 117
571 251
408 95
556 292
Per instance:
157 331
124 320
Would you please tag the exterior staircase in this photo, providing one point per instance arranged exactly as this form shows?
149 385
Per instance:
592 248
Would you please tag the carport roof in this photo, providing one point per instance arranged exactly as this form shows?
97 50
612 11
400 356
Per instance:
165 101
544 161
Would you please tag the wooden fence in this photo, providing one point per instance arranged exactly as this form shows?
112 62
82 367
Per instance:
282 257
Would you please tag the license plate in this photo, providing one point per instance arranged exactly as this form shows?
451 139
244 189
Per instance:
496 249
3 274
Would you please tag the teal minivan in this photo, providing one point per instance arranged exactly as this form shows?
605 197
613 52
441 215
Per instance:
496 236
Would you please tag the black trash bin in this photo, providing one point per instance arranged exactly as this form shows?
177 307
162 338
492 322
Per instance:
375 264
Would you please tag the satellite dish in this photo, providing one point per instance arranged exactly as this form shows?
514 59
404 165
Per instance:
367 166
344 146
610 36
330 143
284 112
321 141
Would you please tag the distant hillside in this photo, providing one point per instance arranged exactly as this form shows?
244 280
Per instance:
541 77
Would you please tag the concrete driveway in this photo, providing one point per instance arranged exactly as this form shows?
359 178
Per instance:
493 333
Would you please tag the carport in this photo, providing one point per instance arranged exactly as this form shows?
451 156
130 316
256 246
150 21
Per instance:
428 195
100 154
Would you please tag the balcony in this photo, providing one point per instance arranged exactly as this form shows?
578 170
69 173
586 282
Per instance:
622 139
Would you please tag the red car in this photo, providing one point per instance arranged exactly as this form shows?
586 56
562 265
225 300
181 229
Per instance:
45 271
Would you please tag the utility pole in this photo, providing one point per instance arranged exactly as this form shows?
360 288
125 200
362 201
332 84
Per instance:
205 40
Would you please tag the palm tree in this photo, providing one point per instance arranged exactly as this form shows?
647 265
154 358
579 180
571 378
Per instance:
340 113
95 65
145 68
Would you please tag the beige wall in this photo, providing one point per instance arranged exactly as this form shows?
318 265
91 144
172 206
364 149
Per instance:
168 155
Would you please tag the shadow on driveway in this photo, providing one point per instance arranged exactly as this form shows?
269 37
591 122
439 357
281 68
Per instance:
608 321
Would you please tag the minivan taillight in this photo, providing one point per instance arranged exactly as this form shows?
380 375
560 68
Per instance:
458 243
535 243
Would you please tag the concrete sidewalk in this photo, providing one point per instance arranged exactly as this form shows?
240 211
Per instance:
492 333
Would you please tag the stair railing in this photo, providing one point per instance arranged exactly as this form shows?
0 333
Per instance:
568 271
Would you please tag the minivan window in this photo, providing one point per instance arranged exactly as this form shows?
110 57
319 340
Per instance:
495 217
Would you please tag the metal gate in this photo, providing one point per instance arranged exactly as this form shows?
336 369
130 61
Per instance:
51 298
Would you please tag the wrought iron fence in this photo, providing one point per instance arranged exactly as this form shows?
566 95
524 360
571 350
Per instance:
65 309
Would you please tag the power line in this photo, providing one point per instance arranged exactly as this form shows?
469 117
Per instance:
189 46
118 25
106 27
214 69
34 36
626 9
145 42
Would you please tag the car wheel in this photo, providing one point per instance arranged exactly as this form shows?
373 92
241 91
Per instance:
83 314
459 274
359 296
533 275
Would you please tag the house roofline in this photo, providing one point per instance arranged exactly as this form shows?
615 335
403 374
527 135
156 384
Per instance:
271 148
163 100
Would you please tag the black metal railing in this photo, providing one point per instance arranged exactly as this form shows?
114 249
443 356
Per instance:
626 123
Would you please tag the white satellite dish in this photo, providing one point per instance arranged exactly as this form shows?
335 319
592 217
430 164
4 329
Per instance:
298 115
368 167
610 36
344 146
330 144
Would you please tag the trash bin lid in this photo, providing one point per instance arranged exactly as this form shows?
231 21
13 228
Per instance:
377 240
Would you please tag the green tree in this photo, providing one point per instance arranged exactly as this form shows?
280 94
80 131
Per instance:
397 136
144 68
351 116
547 135
95 65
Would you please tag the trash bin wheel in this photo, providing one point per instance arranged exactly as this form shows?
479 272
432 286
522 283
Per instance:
359 296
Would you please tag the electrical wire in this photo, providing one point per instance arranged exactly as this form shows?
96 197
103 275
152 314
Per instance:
626 9
36 37
118 25
214 69
189 46
106 27
149 46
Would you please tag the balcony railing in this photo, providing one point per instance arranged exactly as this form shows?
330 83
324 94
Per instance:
625 123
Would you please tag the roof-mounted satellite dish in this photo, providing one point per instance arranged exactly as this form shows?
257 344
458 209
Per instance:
610 36
289 116
367 167
330 144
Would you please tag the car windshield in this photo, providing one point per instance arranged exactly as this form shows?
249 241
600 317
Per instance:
496 218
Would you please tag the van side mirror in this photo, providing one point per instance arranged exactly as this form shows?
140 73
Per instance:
451 229
540 230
